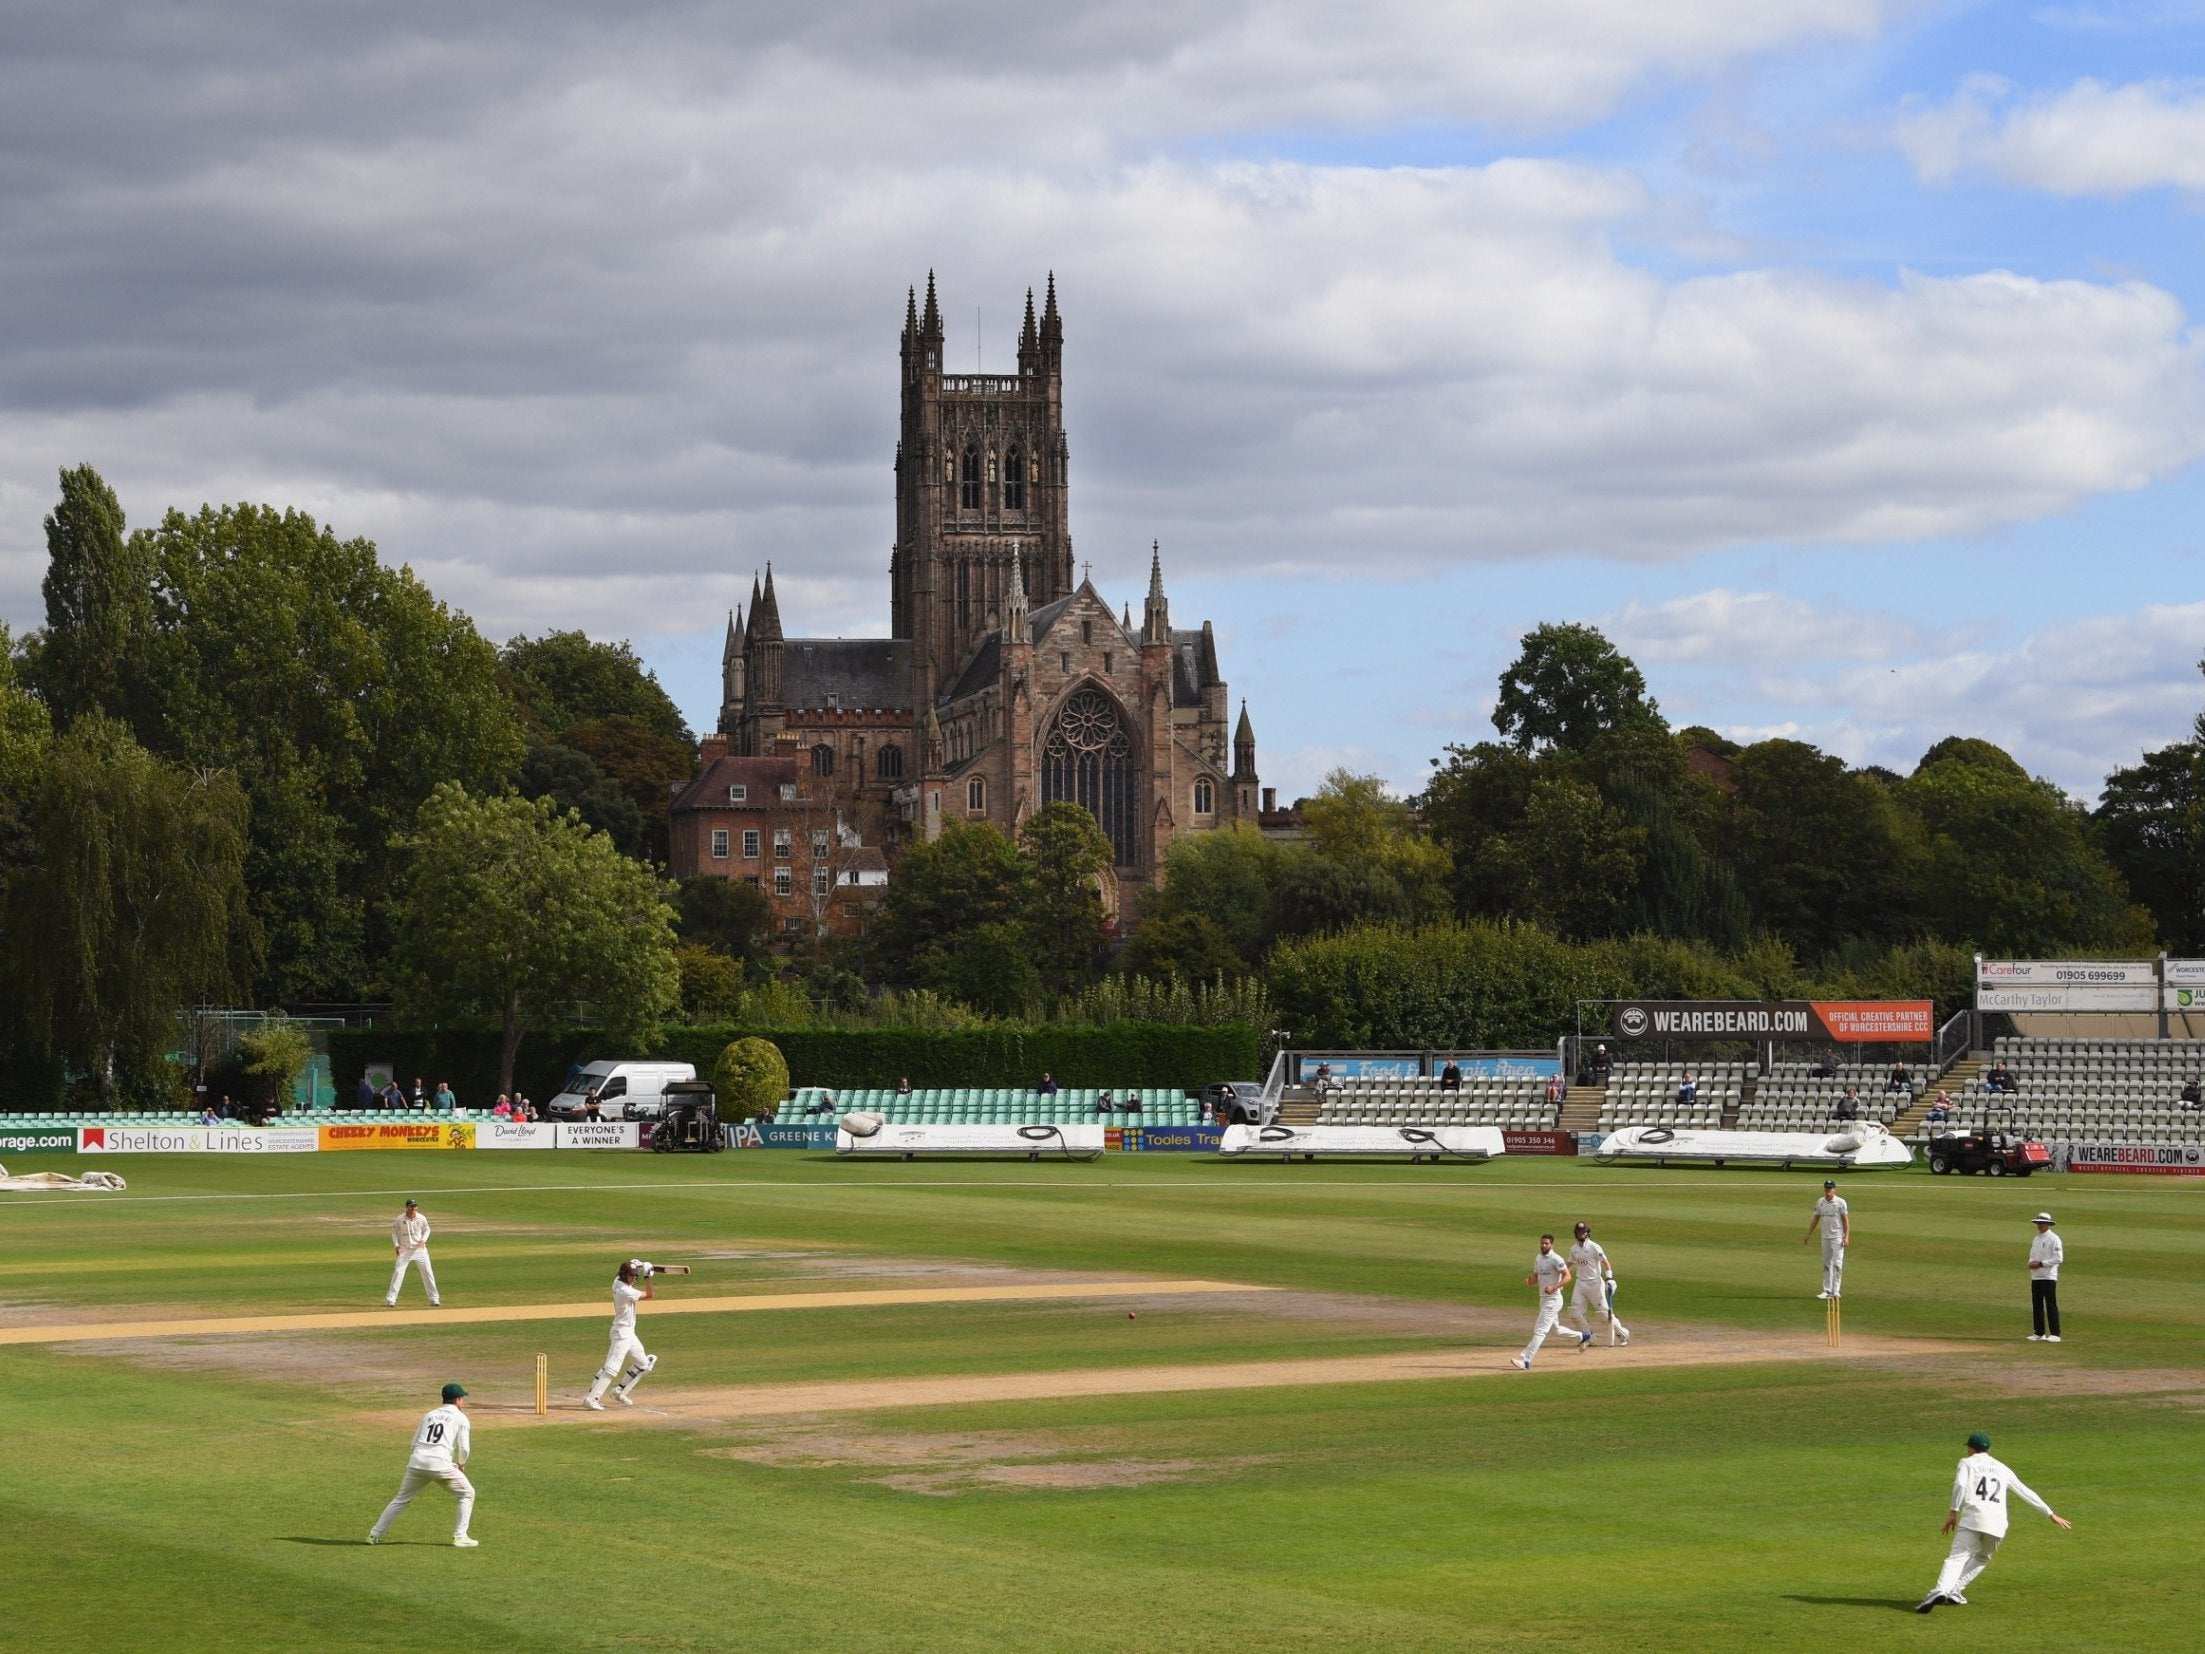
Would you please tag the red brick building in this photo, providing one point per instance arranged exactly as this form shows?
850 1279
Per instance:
773 823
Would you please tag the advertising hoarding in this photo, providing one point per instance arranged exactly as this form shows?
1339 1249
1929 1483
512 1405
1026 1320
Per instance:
598 1134
515 1134
2066 985
1844 1021
424 1134
38 1139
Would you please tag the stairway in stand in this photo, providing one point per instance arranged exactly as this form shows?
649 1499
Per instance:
1298 1106
1745 1101
1956 1080
1581 1108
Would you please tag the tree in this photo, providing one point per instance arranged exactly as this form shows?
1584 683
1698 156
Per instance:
2150 822
1355 821
340 693
1188 946
133 905
513 911
565 678
711 982
26 736
730 916
278 1052
968 877
1567 685
643 764
2012 864
99 602
1223 879
1823 853
750 1077
1066 851
572 780
991 969
1572 861
1314 894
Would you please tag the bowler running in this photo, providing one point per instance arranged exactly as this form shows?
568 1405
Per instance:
1550 1273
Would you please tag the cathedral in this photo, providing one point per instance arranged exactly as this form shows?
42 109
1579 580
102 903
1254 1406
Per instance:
1003 684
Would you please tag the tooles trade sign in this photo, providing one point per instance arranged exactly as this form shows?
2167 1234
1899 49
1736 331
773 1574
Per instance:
1851 1021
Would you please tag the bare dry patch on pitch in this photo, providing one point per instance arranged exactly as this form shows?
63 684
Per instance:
946 1464
2032 1379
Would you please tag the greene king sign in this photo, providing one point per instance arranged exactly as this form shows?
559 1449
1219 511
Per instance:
1851 1021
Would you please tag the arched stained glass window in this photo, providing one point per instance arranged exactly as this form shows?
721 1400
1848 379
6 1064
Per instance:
1014 482
969 489
1088 760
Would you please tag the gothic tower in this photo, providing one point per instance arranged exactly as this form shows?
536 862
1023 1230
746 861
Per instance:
981 466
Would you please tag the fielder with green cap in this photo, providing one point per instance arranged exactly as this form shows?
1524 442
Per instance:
1977 1521
440 1450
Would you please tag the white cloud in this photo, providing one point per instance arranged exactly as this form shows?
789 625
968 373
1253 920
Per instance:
2087 139
1756 629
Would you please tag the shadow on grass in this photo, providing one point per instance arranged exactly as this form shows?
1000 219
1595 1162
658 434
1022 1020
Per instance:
1890 1605
359 1544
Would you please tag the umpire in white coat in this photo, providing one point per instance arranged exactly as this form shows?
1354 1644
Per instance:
2045 1253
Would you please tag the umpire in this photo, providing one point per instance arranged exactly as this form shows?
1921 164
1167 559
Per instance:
2045 1253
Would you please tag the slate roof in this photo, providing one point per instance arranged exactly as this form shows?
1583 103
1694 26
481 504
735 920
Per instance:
763 776
849 673
984 669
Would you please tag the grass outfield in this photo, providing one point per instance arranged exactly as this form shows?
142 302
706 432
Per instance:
206 1492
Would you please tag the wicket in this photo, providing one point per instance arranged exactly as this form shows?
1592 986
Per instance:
543 1385
1833 1321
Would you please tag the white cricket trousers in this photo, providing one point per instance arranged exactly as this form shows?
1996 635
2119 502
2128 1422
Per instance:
627 1350
1591 1304
419 1477
1550 1312
1833 1264
1971 1553
420 1261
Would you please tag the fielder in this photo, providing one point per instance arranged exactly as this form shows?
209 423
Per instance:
1978 1511
1835 1219
409 1238
627 1349
1550 1273
440 1450
1594 1298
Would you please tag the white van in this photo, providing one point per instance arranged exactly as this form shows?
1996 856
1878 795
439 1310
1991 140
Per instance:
625 1090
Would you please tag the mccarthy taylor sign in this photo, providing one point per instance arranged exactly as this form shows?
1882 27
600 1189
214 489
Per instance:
1851 1021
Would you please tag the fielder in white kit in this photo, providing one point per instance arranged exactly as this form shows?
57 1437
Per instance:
627 1348
1835 1219
1978 1513
1550 1273
409 1238
1592 1299
441 1448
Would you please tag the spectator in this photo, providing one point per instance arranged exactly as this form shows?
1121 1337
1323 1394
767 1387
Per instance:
2001 1078
1323 1077
393 1098
826 1103
1450 1077
208 1117
520 1103
590 1110
1827 1067
1688 1089
1207 1115
1557 1088
1601 1067
1901 1078
365 1099
1848 1106
420 1094
445 1101
2191 1095
1104 1104
1133 1102
903 1086
1940 1109
504 1110
1048 1086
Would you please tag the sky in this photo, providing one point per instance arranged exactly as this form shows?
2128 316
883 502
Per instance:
1839 359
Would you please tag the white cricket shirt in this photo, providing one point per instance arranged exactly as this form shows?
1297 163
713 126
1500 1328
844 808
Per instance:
2046 1250
1590 1262
1979 1490
409 1234
1548 1267
625 1298
1831 1209
441 1441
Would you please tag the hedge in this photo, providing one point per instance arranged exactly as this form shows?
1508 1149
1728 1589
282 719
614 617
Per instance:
1151 1055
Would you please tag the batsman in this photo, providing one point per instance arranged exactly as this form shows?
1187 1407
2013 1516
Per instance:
627 1348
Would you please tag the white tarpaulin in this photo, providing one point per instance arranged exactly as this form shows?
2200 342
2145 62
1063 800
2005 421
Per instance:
1865 1145
1366 1142
1031 1142
33 1181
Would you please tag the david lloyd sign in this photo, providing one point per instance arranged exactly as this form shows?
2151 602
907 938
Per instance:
1850 1021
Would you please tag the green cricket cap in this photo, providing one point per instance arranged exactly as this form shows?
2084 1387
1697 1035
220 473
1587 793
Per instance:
1980 1442
452 1392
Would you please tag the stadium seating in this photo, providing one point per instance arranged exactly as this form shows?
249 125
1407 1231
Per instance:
1517 1103
1072 1105
1794 1097
1645 1094
2118 1090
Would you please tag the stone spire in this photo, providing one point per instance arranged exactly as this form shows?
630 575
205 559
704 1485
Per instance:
1052 330
930 324
1029 342
763 646
1155 613
1014 604
1244 746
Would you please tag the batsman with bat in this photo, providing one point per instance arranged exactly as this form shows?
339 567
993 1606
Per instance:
627 1349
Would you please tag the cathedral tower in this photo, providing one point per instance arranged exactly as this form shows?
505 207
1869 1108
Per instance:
980 480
